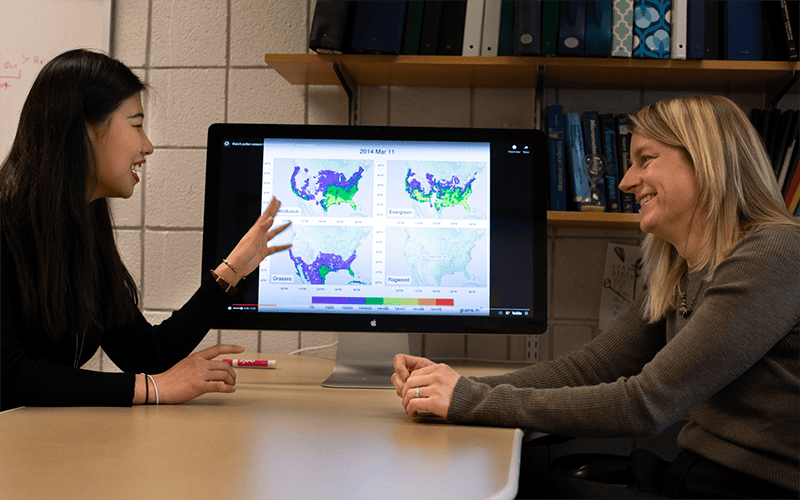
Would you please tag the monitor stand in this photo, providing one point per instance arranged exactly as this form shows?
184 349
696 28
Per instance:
366 360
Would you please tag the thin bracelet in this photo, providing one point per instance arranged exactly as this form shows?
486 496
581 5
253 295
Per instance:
224 261
146 389
154 387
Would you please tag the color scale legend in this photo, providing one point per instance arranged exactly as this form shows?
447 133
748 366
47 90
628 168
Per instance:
381 301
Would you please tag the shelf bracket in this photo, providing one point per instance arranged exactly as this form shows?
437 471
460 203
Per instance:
787 83
351 89
538 119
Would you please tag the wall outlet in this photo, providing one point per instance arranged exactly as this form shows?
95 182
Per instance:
532 349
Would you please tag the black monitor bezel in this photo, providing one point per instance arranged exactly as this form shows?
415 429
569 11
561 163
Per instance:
534 324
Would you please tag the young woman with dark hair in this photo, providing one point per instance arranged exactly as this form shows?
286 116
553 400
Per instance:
65 290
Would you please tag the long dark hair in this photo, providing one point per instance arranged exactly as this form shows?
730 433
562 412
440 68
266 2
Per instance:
70 275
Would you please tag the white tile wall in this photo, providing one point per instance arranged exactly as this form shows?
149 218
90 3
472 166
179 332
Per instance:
204 60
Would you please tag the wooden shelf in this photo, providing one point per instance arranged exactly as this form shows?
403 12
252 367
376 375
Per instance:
462 71
526 72
588 220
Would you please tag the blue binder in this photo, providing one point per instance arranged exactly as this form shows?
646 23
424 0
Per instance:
598 27
651 29
743 41
378 27
557 157
572 28
696 22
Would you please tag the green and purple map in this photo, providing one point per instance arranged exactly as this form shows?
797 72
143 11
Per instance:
438 189
336 188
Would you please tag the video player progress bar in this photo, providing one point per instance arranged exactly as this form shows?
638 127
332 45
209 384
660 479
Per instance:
381 301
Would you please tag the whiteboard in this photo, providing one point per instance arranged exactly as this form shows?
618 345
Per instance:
31 33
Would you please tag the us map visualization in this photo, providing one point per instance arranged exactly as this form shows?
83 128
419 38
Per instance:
372 233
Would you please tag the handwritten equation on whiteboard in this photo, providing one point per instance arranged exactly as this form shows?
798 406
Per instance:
13 69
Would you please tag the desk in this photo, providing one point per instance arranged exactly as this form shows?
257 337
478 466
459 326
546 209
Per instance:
280 435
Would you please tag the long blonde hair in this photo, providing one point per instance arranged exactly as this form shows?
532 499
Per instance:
736 184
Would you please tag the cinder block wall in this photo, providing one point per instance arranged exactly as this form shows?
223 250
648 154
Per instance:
204 61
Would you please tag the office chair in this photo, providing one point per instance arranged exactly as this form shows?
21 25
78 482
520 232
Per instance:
594 475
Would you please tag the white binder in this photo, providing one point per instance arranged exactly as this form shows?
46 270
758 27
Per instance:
679 28
490 45
473 28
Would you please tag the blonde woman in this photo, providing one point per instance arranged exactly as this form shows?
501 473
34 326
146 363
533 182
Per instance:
714 340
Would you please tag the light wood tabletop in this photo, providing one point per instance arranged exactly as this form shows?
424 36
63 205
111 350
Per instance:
280 435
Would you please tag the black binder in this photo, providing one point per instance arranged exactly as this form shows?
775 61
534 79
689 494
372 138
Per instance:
330 28
528 28
451 29
413 27
713 34
431 21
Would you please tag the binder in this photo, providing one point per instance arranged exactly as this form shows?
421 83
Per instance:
789 199
742 33
791 152
550 17
623 28
578 181
473 27
378 27
572 28
771 128
452 30
651 29
777 20
527 28
696 30
794 21
507 29
790 186
556 157
609 139
593 143
770 42
679 29
413 27
781 138
490 42
431 21
330 28
713 34
598 27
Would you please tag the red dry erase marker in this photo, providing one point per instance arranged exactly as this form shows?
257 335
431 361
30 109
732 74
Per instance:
252 363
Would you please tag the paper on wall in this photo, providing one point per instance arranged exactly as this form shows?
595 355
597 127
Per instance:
622 281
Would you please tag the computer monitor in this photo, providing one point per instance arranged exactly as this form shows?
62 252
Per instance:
395 230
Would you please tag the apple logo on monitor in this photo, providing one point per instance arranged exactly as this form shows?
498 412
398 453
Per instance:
373 323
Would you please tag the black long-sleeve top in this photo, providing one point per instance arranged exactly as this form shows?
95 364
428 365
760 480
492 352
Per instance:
38 372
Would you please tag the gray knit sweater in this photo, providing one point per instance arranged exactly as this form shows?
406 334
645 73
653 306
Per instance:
732 369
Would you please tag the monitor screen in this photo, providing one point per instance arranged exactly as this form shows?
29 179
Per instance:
394 229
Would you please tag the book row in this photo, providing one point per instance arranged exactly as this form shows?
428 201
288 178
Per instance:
780 130
580 142
663 29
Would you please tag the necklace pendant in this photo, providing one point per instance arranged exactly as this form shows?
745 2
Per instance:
684 312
